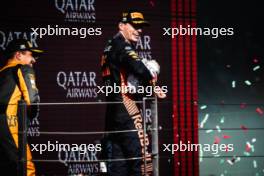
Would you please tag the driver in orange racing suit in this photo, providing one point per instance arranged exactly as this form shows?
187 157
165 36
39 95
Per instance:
17 81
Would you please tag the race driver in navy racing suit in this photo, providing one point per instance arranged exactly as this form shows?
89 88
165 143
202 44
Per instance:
119 61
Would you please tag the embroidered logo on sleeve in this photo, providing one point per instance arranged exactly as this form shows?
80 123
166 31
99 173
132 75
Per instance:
133 54
32 81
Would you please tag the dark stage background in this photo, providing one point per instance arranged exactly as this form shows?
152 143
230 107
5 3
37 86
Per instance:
230 76
69 60
228 98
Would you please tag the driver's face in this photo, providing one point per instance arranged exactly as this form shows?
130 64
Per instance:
27 58
130 32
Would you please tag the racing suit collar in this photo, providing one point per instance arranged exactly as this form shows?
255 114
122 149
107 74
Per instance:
10 63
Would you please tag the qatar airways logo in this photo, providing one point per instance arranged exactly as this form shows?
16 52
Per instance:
77 10
8 36
143 47
70 160
34 127
77 84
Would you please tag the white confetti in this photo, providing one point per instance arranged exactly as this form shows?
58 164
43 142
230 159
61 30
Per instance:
209 131
256 68
246 153
252 148
233 84
247 82
204 120
222 120
201 155
253 140
255 164
222 175
230 162
218 129
203 107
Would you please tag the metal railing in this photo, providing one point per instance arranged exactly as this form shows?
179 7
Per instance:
22 135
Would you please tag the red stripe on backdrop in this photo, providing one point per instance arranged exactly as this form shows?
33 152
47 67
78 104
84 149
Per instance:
182 116
195 99
175 89
184 77
188 101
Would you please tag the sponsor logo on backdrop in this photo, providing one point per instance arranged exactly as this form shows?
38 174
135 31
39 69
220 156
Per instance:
143 47
77 10
34 127
78 84
6 37
70 160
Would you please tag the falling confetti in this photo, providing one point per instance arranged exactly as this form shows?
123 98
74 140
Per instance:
233 84
247 82
256 68
201 155
255 164
209 131
204 120
222 120
222 161
252 148
248 147
203 107
246 153
235 159
259 111
218 128
226 137
230 162
217 140
253 140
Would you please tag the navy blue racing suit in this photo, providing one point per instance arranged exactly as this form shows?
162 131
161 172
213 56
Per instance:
118 61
